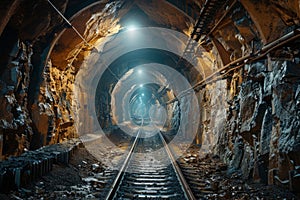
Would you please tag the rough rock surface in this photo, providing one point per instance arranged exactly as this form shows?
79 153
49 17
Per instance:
20 59
211 180
260 138
15 121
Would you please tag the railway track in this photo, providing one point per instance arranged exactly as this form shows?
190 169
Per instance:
149 172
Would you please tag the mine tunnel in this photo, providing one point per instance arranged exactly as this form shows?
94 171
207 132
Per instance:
149 99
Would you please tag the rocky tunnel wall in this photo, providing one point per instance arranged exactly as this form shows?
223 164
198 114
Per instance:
249 115
251 121
36 87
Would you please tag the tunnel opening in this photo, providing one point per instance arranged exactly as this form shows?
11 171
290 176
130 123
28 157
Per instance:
140 104
132 60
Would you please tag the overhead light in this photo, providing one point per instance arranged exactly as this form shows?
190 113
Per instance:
143 94
131 27
141 85
140 71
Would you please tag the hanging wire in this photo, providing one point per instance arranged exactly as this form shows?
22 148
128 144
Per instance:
77 32
69 23
112 73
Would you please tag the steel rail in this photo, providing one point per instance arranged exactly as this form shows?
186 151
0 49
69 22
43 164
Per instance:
184 185
118 179
186 188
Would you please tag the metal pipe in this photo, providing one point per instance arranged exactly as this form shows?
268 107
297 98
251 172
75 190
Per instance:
69 23
261 53
246 59
280 40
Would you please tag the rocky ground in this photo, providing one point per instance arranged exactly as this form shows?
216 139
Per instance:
210 178
86 178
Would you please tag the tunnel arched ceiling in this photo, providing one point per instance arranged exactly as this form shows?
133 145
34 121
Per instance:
143 56
232 38
100 19
151 89
269 20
